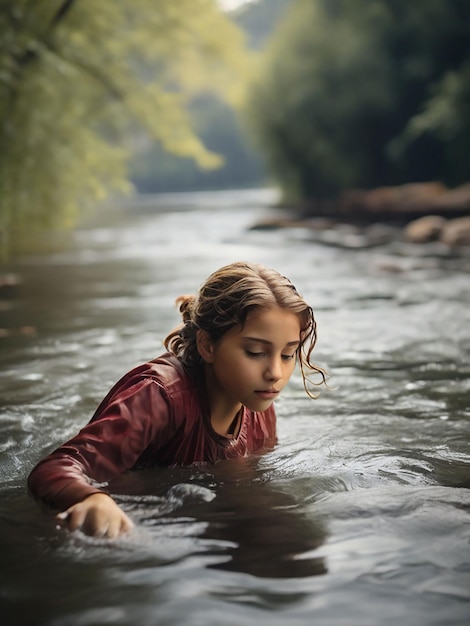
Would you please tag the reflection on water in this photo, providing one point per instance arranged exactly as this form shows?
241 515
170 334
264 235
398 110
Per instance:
255 526
359 515
267 533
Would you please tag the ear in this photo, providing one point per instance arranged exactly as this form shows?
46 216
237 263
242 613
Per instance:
205 346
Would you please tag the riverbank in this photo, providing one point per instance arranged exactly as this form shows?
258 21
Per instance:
416 213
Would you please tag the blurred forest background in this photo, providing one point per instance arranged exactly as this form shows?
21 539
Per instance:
312 96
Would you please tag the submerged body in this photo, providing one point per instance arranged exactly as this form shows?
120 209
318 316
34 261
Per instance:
209 398
155 415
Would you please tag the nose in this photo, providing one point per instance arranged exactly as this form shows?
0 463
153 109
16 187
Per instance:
274 370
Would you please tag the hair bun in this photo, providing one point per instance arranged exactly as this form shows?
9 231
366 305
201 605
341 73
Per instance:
185 304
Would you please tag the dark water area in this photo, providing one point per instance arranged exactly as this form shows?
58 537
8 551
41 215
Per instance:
360 515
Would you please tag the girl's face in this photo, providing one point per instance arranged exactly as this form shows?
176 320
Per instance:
251 365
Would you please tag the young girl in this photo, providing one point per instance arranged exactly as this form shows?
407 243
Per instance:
209 397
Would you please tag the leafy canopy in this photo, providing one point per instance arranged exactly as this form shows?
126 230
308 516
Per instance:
78 78
361 93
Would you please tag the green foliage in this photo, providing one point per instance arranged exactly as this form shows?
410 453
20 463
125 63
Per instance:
217 125
446 116
360 93
78 77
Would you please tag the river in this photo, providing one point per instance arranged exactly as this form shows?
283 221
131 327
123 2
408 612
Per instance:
360 515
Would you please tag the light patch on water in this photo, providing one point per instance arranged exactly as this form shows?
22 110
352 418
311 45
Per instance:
7 445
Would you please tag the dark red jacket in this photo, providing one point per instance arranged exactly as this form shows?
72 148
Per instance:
155 415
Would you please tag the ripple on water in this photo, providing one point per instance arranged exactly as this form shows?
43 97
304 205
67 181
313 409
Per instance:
357 513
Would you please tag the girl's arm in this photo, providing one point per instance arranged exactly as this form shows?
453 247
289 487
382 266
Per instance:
67 480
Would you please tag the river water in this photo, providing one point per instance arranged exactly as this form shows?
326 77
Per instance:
360 515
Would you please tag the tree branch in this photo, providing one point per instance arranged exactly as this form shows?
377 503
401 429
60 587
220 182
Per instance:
31 55
61 13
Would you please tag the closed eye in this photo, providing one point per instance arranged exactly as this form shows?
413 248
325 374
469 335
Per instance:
254 355
288 357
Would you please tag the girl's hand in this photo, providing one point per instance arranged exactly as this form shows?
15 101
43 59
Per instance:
98 516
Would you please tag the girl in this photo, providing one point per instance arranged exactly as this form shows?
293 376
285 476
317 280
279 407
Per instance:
209 397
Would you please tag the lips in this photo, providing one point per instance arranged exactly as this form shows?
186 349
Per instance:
267 394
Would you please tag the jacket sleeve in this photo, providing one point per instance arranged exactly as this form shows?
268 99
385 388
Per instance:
107 446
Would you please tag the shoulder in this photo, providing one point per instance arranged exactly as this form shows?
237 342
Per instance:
166 371
165 375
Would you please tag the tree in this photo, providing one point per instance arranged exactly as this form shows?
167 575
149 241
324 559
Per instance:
217 124
220 125
360 93
429 43
78 78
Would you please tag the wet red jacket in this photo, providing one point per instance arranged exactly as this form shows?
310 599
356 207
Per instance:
155 415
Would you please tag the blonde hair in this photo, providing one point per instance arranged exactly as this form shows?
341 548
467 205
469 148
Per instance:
227 298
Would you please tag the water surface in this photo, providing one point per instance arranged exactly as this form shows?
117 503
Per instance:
360 515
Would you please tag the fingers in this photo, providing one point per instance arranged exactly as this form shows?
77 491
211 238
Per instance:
118 526
73 518
126 524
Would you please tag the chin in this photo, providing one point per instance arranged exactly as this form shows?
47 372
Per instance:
259 406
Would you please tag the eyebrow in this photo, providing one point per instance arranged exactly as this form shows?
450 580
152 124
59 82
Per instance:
259 340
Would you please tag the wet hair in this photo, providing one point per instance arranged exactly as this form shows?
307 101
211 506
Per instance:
227 298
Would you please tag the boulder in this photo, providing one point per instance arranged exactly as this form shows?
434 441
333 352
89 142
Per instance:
403 202
424 229
455 200
457 232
